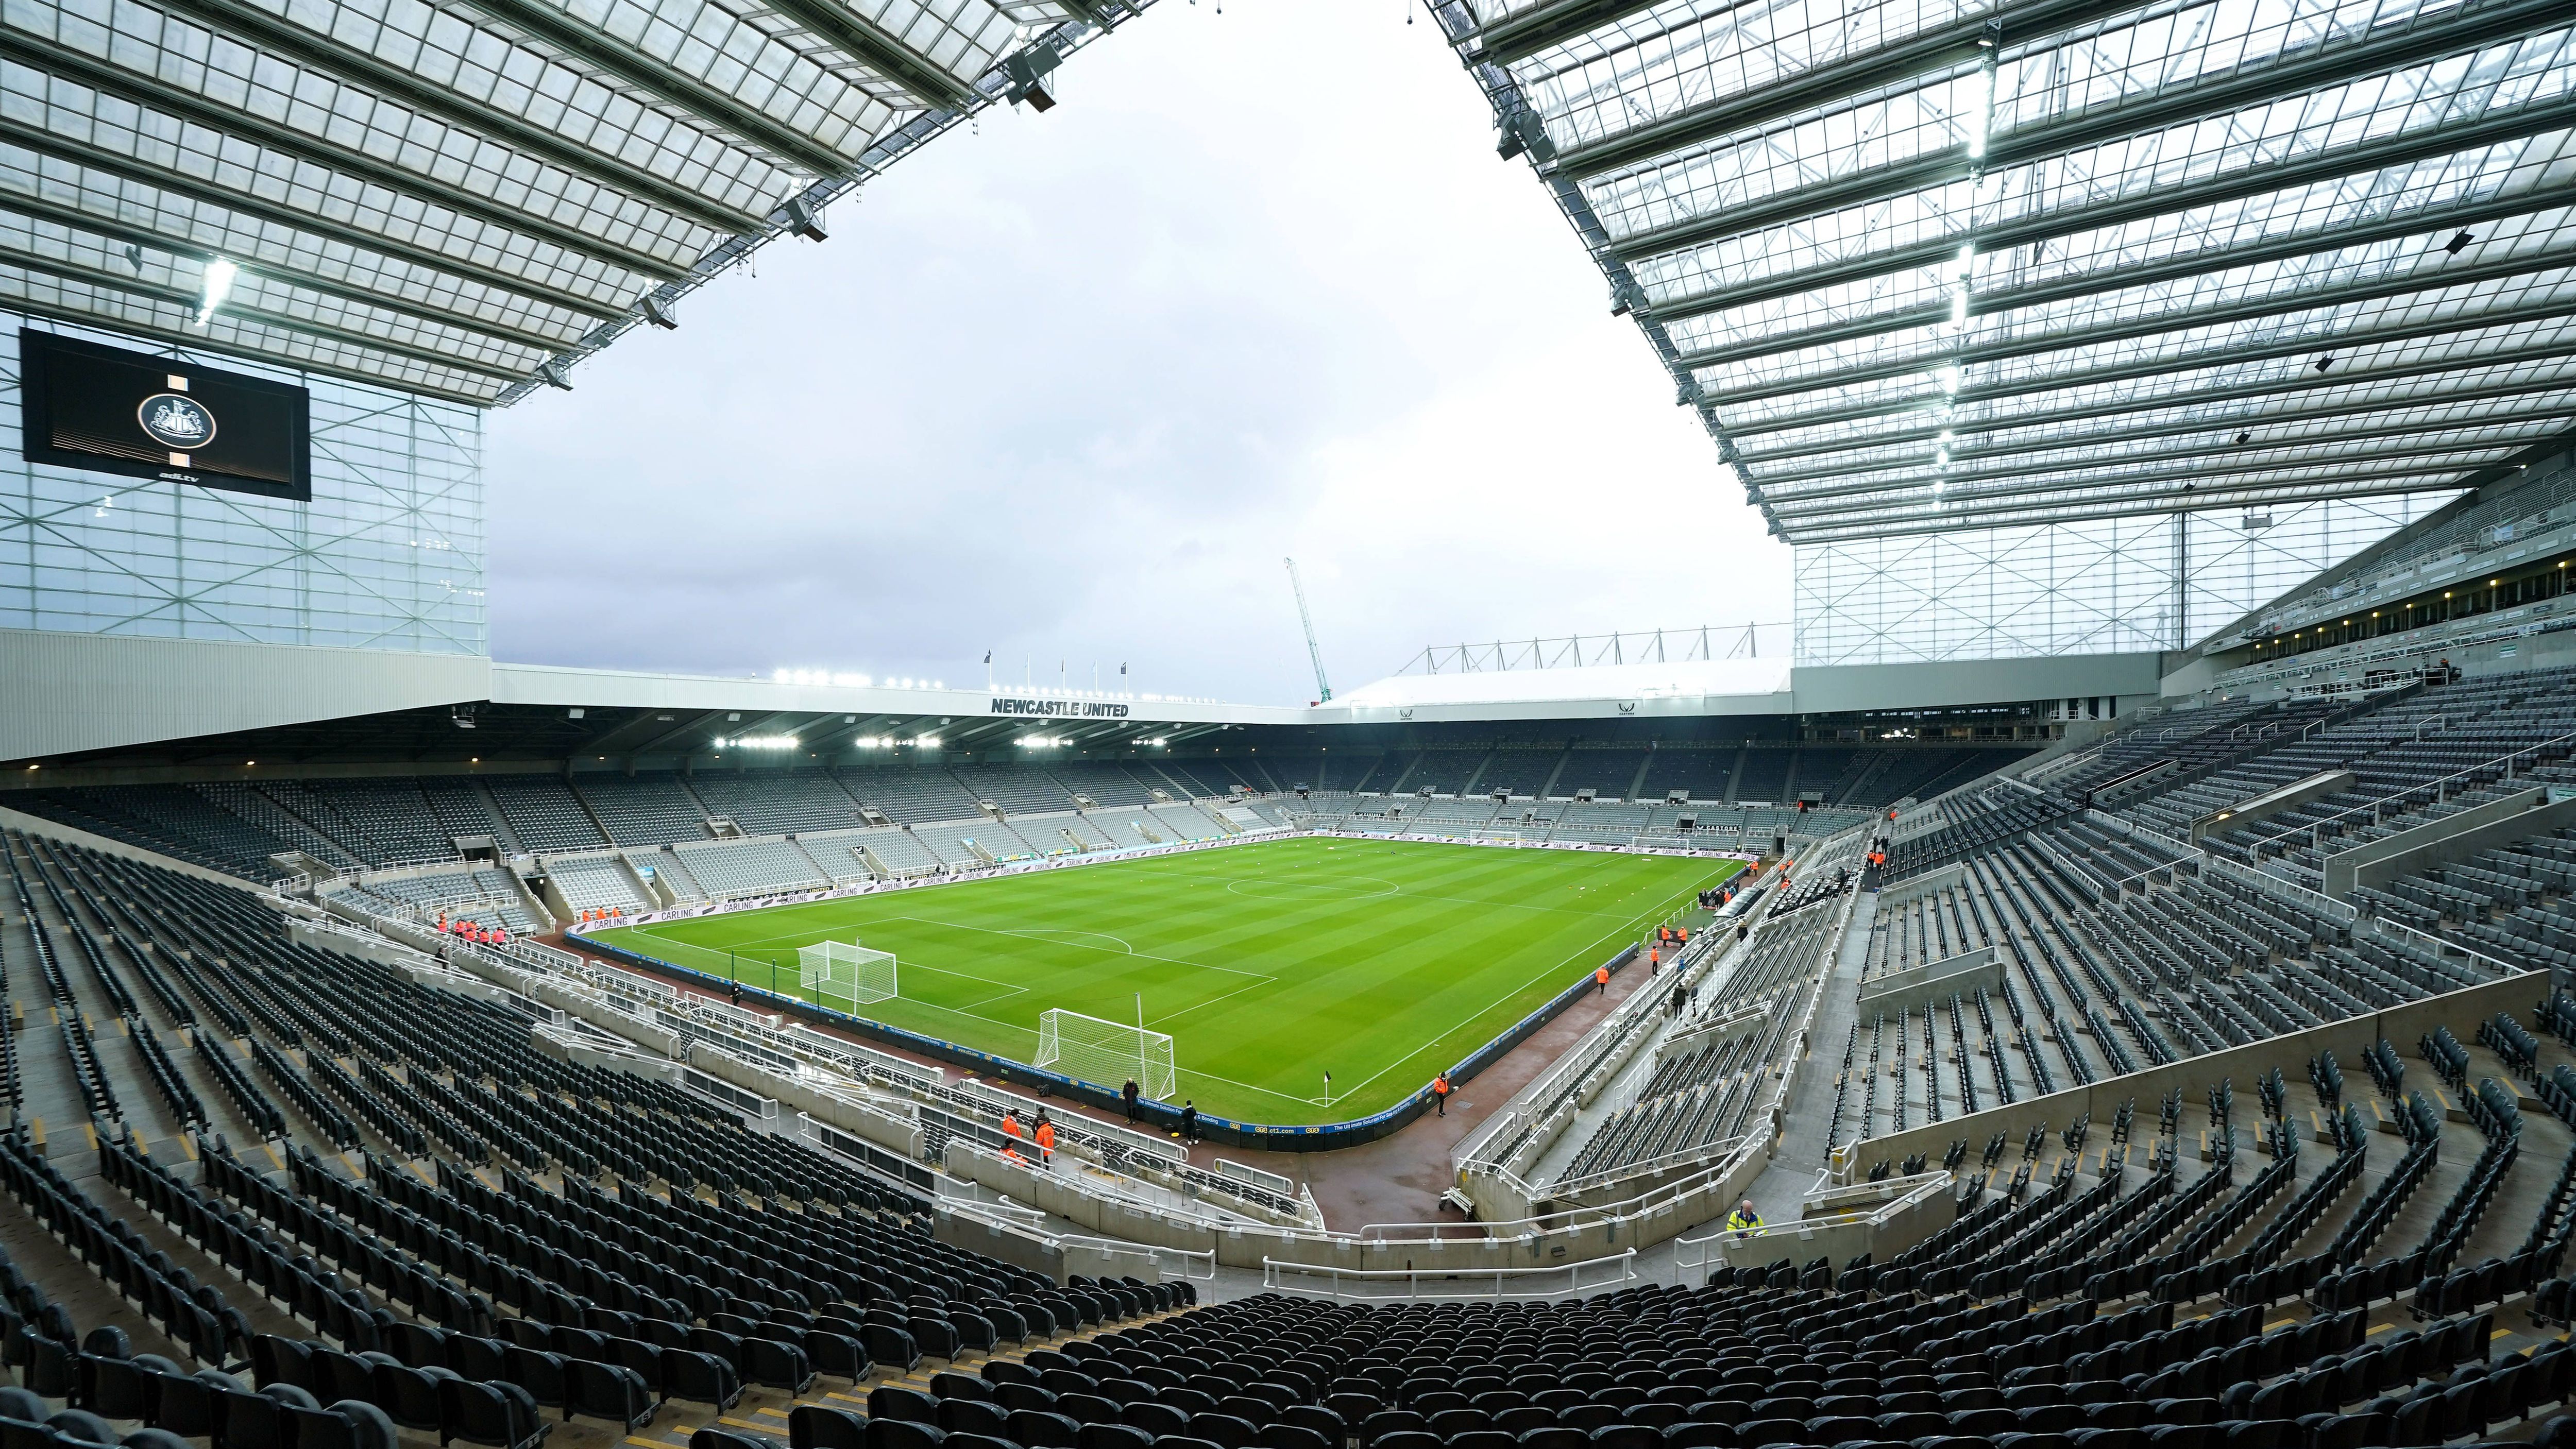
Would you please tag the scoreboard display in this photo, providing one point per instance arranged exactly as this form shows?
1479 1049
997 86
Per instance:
111 410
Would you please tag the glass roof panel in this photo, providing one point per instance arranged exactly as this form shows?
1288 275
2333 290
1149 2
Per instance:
463 197
2095 257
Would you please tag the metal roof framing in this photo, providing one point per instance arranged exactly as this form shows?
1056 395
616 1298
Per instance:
1919 274
515 180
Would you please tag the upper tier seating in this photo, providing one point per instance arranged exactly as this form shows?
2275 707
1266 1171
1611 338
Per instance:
1444 772
1700 774
910 797
777 802
1017 789
543 813
1106 784
649 809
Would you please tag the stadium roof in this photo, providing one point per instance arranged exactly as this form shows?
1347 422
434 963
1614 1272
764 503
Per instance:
1925 266
459 198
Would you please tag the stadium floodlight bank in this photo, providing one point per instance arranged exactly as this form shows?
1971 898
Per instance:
1106 1052
845 975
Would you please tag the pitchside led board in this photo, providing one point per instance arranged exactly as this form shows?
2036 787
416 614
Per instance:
110 410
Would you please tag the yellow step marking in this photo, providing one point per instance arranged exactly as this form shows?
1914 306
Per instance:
737 1423
777 1413
844 1398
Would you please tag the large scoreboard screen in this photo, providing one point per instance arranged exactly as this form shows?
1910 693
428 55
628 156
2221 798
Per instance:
110 410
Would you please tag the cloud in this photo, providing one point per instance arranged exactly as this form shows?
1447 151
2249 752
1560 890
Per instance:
1070 386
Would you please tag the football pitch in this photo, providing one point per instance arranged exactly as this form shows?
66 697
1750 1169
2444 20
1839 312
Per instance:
1268 964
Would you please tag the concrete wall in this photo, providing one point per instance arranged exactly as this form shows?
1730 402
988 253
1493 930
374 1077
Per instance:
2447 841
74 692
1910 989
2272 802
2460 1010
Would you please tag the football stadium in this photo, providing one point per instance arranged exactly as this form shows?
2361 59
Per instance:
2090 989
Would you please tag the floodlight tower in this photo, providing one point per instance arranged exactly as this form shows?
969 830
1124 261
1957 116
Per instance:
1313 652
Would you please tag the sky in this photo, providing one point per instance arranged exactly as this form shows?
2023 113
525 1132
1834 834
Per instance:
1067 387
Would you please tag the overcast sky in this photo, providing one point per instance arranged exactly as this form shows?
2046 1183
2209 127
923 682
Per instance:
1070 386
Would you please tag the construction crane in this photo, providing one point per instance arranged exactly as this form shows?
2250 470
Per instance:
1313 651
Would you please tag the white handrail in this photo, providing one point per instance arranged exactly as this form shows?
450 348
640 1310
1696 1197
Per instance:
1924 1185
2316 828
1276 1275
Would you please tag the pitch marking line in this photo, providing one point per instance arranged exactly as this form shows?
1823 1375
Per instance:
1634 923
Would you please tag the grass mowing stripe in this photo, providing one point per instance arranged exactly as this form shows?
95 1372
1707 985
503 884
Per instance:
1269 964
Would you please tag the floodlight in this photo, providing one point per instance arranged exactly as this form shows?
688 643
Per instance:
216 284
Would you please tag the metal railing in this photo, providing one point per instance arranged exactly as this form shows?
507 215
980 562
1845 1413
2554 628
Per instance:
1575 651
2441 787
2501 969
1690 1252
1352 1285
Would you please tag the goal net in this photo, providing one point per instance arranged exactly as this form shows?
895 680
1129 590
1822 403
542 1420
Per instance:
1105 1052
845 975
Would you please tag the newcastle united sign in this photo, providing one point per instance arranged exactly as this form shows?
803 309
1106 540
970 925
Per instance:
1060 708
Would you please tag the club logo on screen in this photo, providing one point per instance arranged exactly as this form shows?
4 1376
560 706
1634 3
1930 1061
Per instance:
176 421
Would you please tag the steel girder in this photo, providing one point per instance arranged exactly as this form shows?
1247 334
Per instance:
2463 29
1773 479
196 341
182 297
2161 323
871 45
2306 169
1971 495
1968 480
1957 520
306 48
2357 408
328 155
74 219
606 53
2547 311
141 173
1930 52
2105 283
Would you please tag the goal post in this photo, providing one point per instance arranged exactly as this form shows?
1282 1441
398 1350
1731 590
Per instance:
846 975
1105 1052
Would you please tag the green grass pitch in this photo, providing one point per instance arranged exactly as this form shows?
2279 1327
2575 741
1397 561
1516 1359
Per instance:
1269 964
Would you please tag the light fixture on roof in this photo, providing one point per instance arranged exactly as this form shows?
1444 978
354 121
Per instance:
1947 374
2244 437
2458 243
215 285
1978 112
2325 362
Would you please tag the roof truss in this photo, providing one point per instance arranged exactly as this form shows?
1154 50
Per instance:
2069 305
462 199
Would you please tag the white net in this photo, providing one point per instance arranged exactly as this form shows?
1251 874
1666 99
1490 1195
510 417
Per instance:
1105 1052
845 975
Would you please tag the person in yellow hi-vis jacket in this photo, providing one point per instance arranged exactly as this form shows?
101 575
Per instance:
1744 1219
